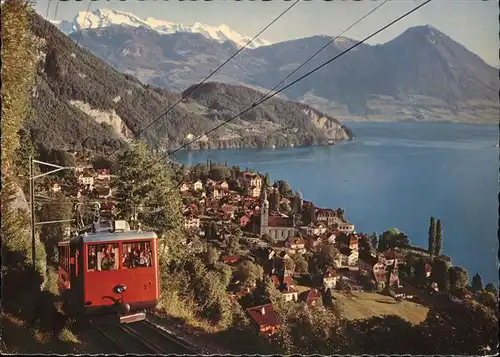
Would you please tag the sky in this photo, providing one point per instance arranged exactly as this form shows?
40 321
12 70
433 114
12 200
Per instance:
473 23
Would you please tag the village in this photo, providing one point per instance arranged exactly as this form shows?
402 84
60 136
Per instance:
310 254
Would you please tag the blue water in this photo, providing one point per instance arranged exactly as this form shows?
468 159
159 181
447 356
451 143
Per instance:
398 175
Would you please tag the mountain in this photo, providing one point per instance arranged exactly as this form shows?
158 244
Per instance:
102 18
81 102
421 75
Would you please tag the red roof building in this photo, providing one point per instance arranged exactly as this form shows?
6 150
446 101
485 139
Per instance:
275 280
277 221
230 259
266 318
311 297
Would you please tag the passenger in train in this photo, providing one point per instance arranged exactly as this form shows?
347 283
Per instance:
143 260
129 260
108 261
92 258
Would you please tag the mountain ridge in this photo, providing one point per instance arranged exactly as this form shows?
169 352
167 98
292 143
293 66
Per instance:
422 74
82 103
102 18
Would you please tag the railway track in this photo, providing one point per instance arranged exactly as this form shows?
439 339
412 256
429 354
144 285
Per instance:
141 337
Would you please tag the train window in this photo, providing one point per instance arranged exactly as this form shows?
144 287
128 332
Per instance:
63 258
137 255
102 257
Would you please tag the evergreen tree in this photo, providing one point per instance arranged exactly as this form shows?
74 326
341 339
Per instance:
432 237
458 278
20 282
374 240
142 181
477 283
267 180
439 239
274 202
296 208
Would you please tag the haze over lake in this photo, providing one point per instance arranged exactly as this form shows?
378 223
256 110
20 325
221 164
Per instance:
398 175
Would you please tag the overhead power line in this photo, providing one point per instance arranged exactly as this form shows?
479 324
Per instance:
325 46
83 24
57 8
317 52
266 98
184 96
188 93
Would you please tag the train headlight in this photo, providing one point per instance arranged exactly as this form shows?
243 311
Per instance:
120 289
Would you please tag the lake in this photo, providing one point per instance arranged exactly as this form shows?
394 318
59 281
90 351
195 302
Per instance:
398 175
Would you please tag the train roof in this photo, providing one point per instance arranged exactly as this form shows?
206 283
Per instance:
116 236
110 237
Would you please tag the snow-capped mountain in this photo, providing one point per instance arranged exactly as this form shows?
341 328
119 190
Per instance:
106 17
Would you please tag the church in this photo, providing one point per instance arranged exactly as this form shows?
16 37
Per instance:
279 228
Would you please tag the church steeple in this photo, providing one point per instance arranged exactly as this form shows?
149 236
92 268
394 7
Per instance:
264 214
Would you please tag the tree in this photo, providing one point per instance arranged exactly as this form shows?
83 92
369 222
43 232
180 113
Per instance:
225 271
211 256
268 238
458 278
57 209
477 283
327 257
285 208
21 281
439 239
366 245
432 237
267 180
275 199
420 277
440 274
490 287
219 173
233 245
249 273
374 240
290 264
391 239
301 265
488 299
284 189
141 180
296 207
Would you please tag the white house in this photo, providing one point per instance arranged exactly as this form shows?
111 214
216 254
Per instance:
330 280
290 293
254 191
349 257
103 174
184 187
191 222
198 186
86 180
55 187
316 229
346 228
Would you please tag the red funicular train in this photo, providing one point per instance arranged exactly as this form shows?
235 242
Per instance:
110 271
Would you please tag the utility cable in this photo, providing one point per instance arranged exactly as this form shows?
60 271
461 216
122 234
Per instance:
186 94
57 8
83 24
326 45
266 98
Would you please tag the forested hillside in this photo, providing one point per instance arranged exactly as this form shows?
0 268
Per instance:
82 103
